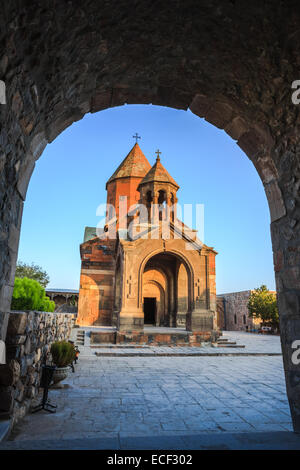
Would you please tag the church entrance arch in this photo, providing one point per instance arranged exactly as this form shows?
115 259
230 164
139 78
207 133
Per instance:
172 294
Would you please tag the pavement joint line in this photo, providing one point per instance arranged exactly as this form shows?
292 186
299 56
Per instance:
198 354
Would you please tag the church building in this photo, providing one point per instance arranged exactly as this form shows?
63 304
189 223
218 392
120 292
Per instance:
145 267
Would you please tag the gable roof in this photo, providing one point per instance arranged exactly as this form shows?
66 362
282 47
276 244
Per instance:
189 236
135 164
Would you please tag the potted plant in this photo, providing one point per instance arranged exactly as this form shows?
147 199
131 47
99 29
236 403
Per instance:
63 354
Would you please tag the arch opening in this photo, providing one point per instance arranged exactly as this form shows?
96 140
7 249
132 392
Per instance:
166 274
93 72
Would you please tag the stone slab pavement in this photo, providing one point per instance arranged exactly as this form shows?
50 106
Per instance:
255 345
167 403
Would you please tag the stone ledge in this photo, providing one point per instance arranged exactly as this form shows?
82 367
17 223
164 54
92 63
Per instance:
183 338
180 354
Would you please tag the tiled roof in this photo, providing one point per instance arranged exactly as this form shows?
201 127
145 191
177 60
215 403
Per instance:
62 291
158 173
134 164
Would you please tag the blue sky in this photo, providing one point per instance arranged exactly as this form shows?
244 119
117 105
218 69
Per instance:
69 180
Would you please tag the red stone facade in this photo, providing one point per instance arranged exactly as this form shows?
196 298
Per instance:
163 275
96 282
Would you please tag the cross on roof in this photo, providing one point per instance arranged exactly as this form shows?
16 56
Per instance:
158 155
136 137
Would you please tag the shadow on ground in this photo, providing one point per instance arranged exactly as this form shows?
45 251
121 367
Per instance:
224 441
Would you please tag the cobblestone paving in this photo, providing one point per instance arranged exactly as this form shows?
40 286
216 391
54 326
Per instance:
118 397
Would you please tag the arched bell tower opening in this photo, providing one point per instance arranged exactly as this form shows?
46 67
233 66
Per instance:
158 193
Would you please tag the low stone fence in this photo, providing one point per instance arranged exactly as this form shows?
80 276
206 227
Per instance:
195 338
29 337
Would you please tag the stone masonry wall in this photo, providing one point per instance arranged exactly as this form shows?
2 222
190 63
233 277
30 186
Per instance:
235 311
96 294
29 337
220 313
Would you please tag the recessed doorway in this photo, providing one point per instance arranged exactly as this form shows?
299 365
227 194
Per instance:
149 310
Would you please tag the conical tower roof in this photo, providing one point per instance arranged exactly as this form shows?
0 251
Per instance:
135 164
158 173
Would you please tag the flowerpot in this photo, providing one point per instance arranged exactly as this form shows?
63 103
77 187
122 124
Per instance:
60 374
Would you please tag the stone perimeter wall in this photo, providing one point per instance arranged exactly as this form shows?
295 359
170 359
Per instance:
29 337
236 313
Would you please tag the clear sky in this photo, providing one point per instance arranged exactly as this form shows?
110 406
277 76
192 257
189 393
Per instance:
69 180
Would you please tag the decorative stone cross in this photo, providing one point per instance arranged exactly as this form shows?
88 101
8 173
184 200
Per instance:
158 155
136 137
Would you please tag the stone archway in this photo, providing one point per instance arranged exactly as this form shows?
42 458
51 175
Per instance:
182 298
117 292
155 285
167 264
154 290
232 64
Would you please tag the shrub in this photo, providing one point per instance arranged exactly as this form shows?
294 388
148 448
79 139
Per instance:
63 353
28 294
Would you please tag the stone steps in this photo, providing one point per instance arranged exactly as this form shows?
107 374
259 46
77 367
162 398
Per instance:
226 343
80 338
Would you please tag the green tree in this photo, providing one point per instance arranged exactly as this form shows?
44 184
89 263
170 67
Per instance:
32 271
28 294
262 304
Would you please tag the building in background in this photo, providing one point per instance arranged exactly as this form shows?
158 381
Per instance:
233 314
66 300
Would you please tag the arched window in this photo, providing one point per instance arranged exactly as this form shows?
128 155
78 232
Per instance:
161 203
172 204
149 200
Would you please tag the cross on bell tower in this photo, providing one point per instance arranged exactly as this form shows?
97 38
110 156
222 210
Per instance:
136 137
158 155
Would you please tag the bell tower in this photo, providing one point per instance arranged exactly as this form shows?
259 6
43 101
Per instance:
122 185
158 192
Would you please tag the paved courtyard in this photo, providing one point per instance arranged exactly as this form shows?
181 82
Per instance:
121 397
251 344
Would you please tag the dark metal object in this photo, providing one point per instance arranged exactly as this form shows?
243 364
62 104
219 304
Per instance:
46 379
